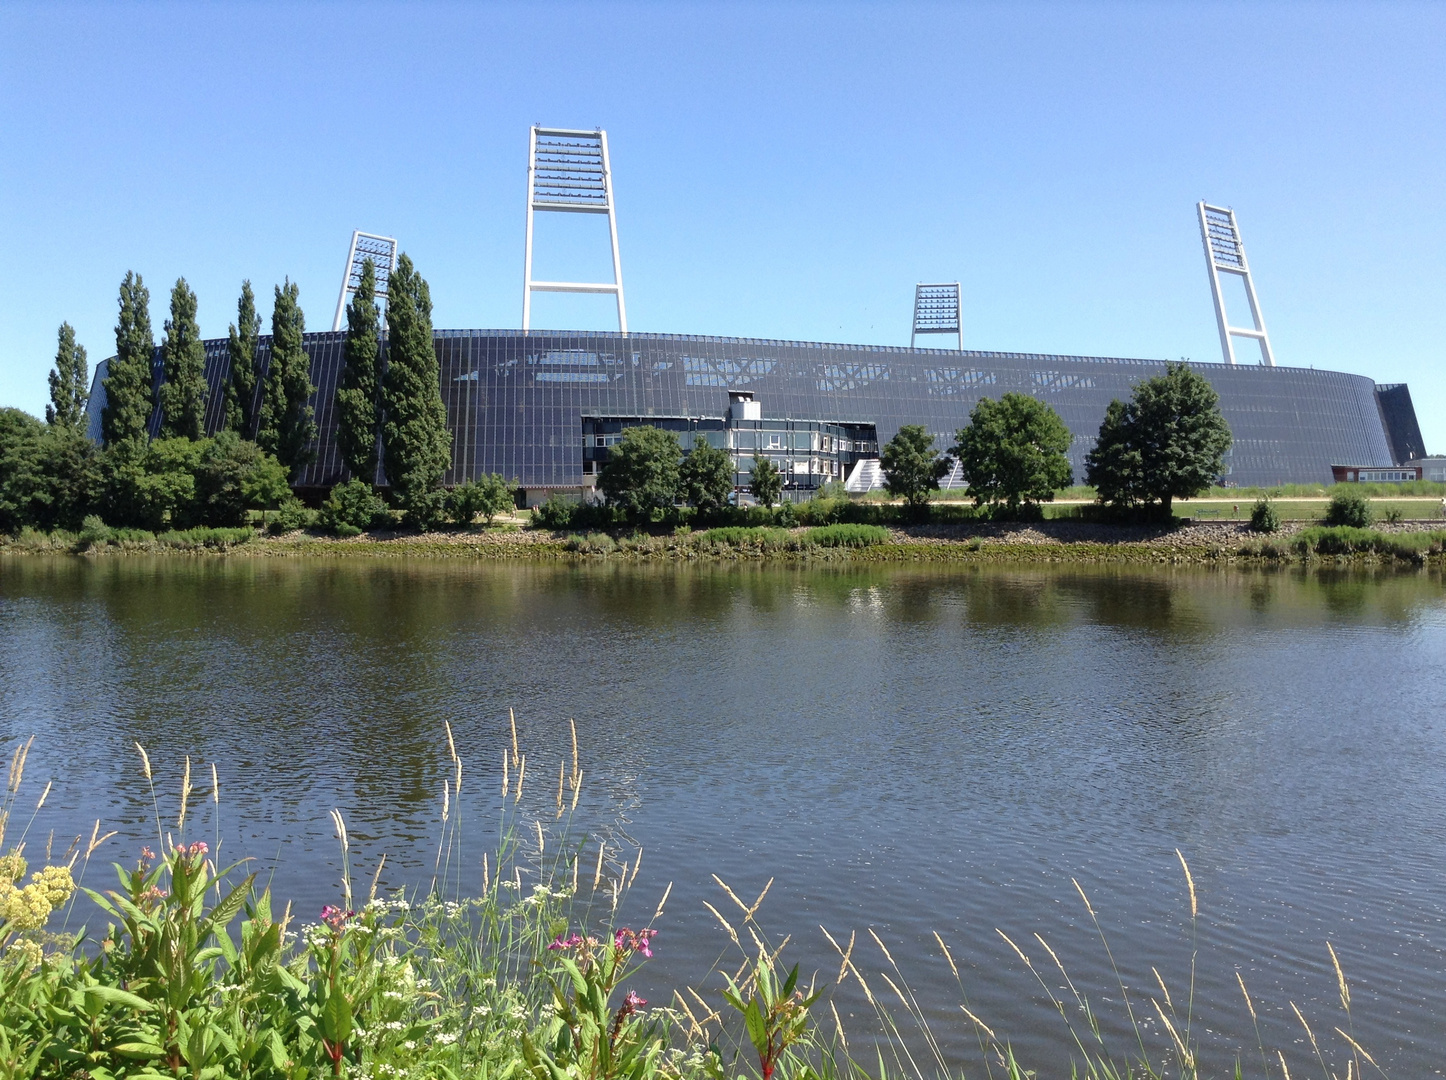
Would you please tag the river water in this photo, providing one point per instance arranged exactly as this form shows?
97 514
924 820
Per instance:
907 749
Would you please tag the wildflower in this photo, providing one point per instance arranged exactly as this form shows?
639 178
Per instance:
336 918
634 941
568 943
632 1002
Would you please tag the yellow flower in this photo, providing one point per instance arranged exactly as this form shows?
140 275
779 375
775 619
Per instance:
25 909
12 868
56 883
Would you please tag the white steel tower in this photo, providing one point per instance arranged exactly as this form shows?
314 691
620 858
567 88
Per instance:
1225 254
936 311
382 251
568 172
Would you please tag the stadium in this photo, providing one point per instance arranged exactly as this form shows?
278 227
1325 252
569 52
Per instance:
536 405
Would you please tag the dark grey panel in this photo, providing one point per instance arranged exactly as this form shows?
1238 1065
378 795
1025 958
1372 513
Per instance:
515 401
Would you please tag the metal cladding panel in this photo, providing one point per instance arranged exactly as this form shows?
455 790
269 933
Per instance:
1403 433
515 401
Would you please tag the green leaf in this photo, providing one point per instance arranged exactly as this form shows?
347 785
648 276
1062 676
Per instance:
112 995
138 1050
757 1030
336 1018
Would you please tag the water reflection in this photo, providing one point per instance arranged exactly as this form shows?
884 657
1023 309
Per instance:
913 748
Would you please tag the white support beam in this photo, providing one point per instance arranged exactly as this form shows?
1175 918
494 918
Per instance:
568 172
382 251
1225 254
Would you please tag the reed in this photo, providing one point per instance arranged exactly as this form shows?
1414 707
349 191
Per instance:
521 971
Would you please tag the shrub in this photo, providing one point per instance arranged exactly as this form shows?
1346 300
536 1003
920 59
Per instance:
487 497
592 544
743 536
290 516
846 535
1392 516
94 533
353 508
1349 508
202 537
1264 518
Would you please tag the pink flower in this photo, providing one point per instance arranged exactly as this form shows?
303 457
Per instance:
633 1003
335 918
565 943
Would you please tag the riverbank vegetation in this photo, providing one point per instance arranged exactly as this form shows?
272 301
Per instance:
184 966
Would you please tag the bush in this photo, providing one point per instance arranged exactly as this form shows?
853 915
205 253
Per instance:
1392 516
1349 508
94 533
592 544
353 508
1264 518
487 497
291 515
743 536
561 514
846 536
201 537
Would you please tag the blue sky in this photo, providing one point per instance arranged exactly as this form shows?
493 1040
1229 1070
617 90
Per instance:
781 170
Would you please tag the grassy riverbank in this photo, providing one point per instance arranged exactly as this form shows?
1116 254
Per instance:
1207 542
200 972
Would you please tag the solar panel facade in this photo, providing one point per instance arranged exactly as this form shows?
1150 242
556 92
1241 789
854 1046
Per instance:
515 401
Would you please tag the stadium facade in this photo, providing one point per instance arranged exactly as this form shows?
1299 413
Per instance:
517 401
542 407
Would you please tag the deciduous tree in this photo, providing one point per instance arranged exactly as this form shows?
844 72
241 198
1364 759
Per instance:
1013 451
640 474
912 467
183 365
766 484
1168 442
416 441
705 476
287 426
241 386
128 397
358 389
69 383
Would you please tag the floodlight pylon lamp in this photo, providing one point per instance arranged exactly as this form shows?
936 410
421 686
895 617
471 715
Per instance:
569 172
936 311
1225 254
382 251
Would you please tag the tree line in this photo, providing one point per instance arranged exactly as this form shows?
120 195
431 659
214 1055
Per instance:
1167 442
392 425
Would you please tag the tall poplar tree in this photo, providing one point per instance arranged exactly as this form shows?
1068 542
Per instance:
416 441
287 426
128 396
69 383
358 390
241 387
183 364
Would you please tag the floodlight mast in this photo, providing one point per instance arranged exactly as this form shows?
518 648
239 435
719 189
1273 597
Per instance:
382 251
936 311
1225 254
568 172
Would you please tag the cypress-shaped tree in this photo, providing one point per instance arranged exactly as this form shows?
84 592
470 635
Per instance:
183 364
69 383
128 397
415 439
288 424
358 390
241 387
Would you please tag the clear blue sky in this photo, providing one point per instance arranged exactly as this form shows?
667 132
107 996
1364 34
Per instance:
781 170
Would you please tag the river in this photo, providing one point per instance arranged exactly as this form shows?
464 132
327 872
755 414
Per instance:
907 749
